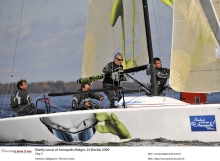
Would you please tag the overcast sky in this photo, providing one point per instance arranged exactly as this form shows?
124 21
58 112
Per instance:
51 38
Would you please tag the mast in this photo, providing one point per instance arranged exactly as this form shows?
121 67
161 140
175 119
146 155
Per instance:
150 48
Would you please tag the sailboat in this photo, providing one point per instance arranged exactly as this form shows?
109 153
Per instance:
122 25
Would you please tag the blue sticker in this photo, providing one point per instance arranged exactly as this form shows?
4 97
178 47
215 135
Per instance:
133 102
203 123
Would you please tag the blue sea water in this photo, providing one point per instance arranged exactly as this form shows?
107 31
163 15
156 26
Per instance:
63 103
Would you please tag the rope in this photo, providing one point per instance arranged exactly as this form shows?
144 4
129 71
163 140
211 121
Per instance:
58 107
12 71
108 101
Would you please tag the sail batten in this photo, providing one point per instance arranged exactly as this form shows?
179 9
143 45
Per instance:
195 65
106 35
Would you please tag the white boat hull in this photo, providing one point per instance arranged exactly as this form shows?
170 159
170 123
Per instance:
170 120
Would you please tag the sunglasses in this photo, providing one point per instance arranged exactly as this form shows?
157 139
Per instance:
119 59
84 135
68 136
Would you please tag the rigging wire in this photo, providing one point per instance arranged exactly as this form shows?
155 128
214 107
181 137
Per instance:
12 71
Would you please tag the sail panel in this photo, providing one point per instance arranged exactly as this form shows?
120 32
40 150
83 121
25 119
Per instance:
212 13
195 66
104 38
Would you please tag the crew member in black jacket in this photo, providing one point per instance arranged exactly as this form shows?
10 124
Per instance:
162 74
21 102
83 101
113 76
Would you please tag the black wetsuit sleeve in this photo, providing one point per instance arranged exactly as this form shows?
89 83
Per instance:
96 96
108 69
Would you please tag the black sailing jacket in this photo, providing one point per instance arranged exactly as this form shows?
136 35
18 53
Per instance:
23 102
162 74
108 79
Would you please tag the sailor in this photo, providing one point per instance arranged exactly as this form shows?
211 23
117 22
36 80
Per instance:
21 101
113 77
162 74
83 101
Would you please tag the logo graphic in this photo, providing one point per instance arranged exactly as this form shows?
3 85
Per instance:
203 123
82 127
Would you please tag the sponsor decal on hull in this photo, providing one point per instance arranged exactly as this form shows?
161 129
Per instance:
83 127
203 123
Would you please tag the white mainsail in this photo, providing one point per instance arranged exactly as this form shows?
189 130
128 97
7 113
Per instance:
107 21
195 65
